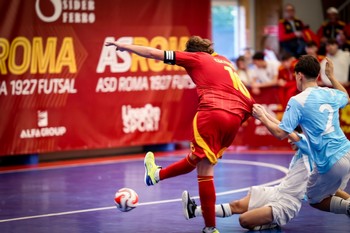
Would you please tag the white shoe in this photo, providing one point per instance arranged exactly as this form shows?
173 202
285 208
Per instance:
265 227
189 205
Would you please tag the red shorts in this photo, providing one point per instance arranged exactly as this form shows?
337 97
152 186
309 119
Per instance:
213 132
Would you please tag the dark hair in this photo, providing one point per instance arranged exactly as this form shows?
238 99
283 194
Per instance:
198 44
298 129
311 44
289 5
332 41
286 56
309 66
258 56
240 58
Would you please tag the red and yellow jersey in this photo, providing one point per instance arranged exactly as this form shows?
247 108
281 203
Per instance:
287 74
330 29
218 85
320 57
290 87
286 31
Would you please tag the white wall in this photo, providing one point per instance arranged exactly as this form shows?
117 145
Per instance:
309 11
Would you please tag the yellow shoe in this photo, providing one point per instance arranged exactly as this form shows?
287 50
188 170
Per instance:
210 230
150 169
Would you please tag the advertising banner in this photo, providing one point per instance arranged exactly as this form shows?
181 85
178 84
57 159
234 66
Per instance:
62 89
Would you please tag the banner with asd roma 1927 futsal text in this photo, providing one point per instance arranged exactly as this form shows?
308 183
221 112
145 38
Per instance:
62 89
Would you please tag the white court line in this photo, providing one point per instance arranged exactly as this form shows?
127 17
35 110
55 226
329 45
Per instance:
261 164
95 163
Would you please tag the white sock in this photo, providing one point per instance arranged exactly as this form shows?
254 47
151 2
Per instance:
339 205
156 175
221 211
198 211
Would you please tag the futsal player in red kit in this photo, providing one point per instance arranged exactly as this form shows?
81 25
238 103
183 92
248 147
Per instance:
224 103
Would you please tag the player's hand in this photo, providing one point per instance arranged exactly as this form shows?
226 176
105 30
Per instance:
281 82
117 46
110 44
258 111
298 34
329 68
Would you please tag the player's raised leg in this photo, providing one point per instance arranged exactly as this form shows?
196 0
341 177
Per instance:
154 173
151 169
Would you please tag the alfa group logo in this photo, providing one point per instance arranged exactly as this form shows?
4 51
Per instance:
70 11
43 130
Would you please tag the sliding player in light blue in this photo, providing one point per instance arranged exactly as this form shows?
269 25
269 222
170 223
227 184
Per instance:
266 207
316 109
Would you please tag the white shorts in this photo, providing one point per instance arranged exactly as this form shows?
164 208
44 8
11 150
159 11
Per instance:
321 186
284 207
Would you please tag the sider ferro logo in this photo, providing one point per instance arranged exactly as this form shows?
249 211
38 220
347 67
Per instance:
42 130
71 11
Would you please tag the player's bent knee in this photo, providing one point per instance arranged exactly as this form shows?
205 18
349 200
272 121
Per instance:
238 207
244 222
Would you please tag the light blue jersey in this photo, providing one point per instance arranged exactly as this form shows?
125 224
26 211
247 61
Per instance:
316 109
303 152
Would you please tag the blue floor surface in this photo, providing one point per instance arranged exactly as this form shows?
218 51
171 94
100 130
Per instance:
80 198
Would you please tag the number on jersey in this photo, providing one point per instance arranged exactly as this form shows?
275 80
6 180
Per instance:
329 127
237 83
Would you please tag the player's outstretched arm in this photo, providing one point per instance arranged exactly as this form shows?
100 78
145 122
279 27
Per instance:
268 115
258 113
293 136
142 51
329 70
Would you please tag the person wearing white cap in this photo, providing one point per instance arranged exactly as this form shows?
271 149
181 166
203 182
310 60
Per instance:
330 28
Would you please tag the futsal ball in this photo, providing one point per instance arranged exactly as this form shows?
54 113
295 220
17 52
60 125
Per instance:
126 199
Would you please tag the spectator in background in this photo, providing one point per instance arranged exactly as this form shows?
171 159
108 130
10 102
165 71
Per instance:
343 42
243 72
330 28
248 57
311 48
286 79
264 74
341 62
270 46
347 31
290 32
